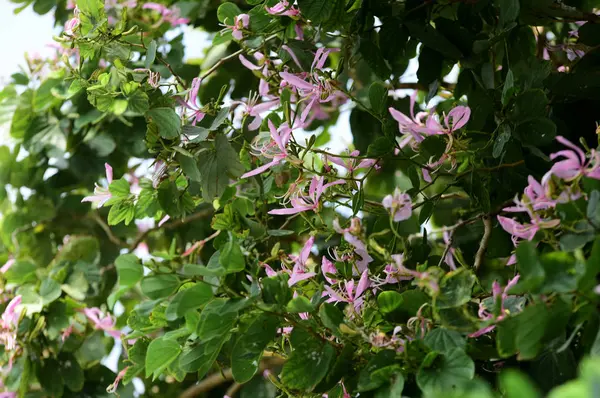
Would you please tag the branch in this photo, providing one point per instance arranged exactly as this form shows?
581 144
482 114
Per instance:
174 224
487 233
216 379
114 239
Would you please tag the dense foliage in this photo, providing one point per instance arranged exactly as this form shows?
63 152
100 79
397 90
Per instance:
236 243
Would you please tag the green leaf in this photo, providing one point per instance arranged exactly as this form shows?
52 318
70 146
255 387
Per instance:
217 166
72 373
389 301
227 12
201 357
232 258
530 268
433 39
49 290
509 11
300 304
216 319
378 96
50 377
380 147
188 299
307 365
515 384
247 352
532 326
159 286
121 211
371 54
372 377
444 340
150 54
316 11
444 372
501 140
537 132
509 83
426 212
394 390
21 272
129 269
161 352
275 290
167 121
189 166
455 289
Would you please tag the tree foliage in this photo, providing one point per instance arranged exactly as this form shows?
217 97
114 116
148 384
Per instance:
209 222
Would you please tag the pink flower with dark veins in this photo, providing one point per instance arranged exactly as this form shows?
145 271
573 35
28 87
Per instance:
102 321
300 270
283 8
275 149
240 22
317 89
350 163
399 204
498 294
574 163
349 294
101 194
192 102
302 202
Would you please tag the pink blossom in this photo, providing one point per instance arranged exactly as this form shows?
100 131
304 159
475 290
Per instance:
240 22
192 103
308 202
300 270
115 384
275 149
66 333
101 195
71 25
8 326
526 231
283 8
351 235
328 268
449 259
317 90
351 163
350 294
399 204
7 265
498 294
102 321
171 15
413 127
254 108
574 163
396 271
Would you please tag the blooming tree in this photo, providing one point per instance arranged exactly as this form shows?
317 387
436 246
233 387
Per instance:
293 214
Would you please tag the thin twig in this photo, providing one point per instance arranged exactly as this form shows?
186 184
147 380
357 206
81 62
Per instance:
487 233
174 224
114 239
233 389
218 378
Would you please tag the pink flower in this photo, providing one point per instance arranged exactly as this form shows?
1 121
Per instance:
170 15
101 195
351 235
498 294
351 163
449 259
456 119
8 326
523 231
240 22
300 270
317 90
396 271
575 163
7 265
254 109
66 333
350 295
327 268
102 321
192 102
283 8
399 204
308 202
115 384
413 127
71 25
274 149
